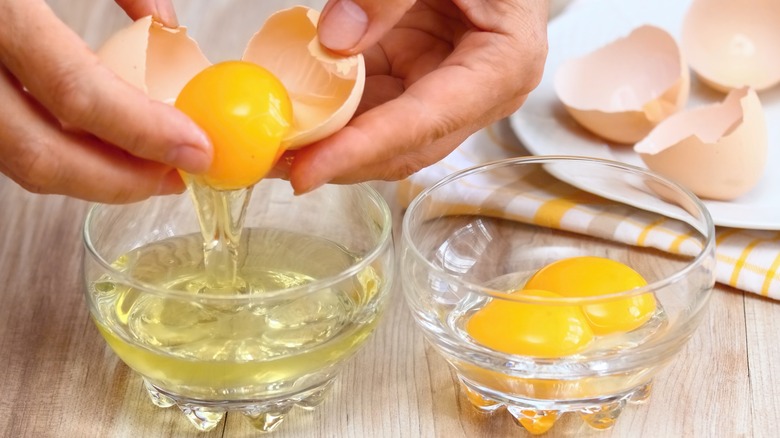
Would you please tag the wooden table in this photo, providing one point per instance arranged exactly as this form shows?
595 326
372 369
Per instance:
59 379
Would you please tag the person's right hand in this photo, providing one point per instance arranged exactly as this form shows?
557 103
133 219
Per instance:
70 126
436 72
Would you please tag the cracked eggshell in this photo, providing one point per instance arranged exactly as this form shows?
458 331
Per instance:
718 151
622 90
325 88
156 59
730 44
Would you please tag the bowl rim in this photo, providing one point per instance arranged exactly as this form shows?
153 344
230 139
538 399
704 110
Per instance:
707 251
384 241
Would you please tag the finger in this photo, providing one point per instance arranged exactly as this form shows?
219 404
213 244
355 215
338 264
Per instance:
508 17
40 157
379 89
160 10
389 167
486 77
396 167
58 69
404 165
434 107
351 26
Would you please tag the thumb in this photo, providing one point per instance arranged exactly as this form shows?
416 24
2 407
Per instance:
351 26
161 10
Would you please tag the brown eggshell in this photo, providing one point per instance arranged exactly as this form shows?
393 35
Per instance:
156 59
325 88
730 44
622 90
718 151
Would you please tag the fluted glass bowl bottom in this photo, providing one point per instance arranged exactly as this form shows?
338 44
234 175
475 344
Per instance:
314 269
474 238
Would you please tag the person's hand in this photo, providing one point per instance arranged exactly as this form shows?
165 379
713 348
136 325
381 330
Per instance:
70 126
437 71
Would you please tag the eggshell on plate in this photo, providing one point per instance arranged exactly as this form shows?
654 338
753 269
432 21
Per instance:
325 88
154 58
730 44
622 90
718 151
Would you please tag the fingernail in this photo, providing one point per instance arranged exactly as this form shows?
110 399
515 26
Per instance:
167 15
311 188
281 169
191 159
171 184
343 26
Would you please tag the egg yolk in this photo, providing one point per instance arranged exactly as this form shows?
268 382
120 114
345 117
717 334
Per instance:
592 276
530 329
245 111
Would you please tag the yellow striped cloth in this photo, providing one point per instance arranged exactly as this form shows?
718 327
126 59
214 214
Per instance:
748 260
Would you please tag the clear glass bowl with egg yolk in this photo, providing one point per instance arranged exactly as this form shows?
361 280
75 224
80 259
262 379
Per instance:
557 285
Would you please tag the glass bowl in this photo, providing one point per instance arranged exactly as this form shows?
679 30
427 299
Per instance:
472 241
319 266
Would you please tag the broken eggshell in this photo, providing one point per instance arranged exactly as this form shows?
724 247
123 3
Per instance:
622 90
156 59
733 44
717 151
325 88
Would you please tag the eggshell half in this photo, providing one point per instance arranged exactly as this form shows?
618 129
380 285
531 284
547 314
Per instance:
325 88
156 59
730 44
622 90
718 151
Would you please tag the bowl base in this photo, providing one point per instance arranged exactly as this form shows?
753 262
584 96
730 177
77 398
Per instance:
538 416
265 415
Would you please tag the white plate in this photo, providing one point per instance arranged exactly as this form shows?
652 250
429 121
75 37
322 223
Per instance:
545 128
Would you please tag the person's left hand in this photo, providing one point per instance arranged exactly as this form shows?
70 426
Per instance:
437 71
70 126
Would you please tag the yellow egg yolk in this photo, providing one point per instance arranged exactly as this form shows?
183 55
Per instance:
530 329
589 276
245 111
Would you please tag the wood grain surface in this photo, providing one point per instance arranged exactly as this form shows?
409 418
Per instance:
59 379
